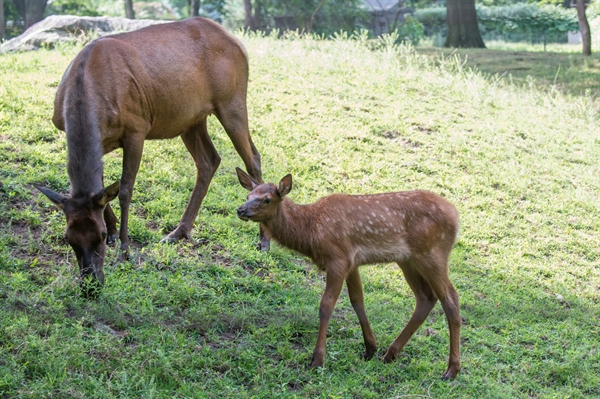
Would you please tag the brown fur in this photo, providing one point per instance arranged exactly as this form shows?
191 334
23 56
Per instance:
158 82
415 229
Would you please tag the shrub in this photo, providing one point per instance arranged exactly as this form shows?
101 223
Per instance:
520 19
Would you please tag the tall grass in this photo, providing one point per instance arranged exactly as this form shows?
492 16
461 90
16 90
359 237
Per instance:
215 318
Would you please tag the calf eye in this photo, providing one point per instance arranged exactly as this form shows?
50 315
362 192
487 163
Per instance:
104 235
267 201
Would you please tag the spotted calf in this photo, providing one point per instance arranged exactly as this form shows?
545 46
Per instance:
415 229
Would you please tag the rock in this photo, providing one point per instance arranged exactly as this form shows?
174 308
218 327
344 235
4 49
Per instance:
69 29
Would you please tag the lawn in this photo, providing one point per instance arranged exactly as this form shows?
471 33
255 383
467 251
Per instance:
568 72
214 318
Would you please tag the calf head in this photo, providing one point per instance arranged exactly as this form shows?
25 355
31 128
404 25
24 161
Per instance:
86 232
264 198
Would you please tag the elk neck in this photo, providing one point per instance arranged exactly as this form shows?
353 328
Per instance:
84 146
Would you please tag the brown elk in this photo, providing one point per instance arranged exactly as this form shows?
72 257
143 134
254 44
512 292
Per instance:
415 229
158 82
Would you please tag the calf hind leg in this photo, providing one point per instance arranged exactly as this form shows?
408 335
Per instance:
355 292
425 301
434 269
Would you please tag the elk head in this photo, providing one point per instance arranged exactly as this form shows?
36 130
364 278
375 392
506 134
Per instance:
264 199
86 232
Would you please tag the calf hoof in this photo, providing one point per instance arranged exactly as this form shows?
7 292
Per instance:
317 361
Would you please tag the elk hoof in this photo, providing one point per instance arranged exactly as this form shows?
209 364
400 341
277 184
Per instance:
175 236
450 374
388 358
112 239
367 355
263 246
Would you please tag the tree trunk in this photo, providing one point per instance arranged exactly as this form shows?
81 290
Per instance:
248 20
32 11
2 21
461 21
129 9
194 8
584 28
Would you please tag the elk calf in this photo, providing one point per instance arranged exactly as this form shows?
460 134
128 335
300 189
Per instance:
415 229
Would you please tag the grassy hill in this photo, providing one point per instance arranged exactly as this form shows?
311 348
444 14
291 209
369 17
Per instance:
214 318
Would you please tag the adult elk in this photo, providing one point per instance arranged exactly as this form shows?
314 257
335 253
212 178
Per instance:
158 82
415 229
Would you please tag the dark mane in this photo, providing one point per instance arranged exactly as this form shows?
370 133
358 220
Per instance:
85 165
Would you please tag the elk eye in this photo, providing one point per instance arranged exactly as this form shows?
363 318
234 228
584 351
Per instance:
104 234
267 201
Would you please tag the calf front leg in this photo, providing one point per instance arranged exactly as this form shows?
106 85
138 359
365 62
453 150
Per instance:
333 287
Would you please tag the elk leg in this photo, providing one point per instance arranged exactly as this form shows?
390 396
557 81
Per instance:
132 156
111 225
234 118
426 300
333 287
355 292
207 160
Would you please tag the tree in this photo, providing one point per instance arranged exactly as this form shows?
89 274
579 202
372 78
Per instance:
129 9
2 21
584 28
248 20
461 19
194 8
32 11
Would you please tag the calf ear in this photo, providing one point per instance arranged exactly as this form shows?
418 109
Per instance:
58 199
285 186
246 180
108 194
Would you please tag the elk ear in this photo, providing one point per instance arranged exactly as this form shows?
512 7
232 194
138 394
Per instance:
285 186
58 199
246 180
108 194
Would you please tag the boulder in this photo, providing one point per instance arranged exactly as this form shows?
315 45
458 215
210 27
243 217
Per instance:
69 29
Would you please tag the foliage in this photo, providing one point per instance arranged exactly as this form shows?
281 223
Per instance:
72 7
214 318
411 31
12 18
332 16
528 18
433 20
525 19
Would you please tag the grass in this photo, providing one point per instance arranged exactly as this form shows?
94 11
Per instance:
570 73
214 318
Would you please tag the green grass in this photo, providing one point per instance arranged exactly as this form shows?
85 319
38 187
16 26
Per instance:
216 319
568 73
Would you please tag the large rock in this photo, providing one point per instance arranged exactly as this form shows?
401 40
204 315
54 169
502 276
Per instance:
68 29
